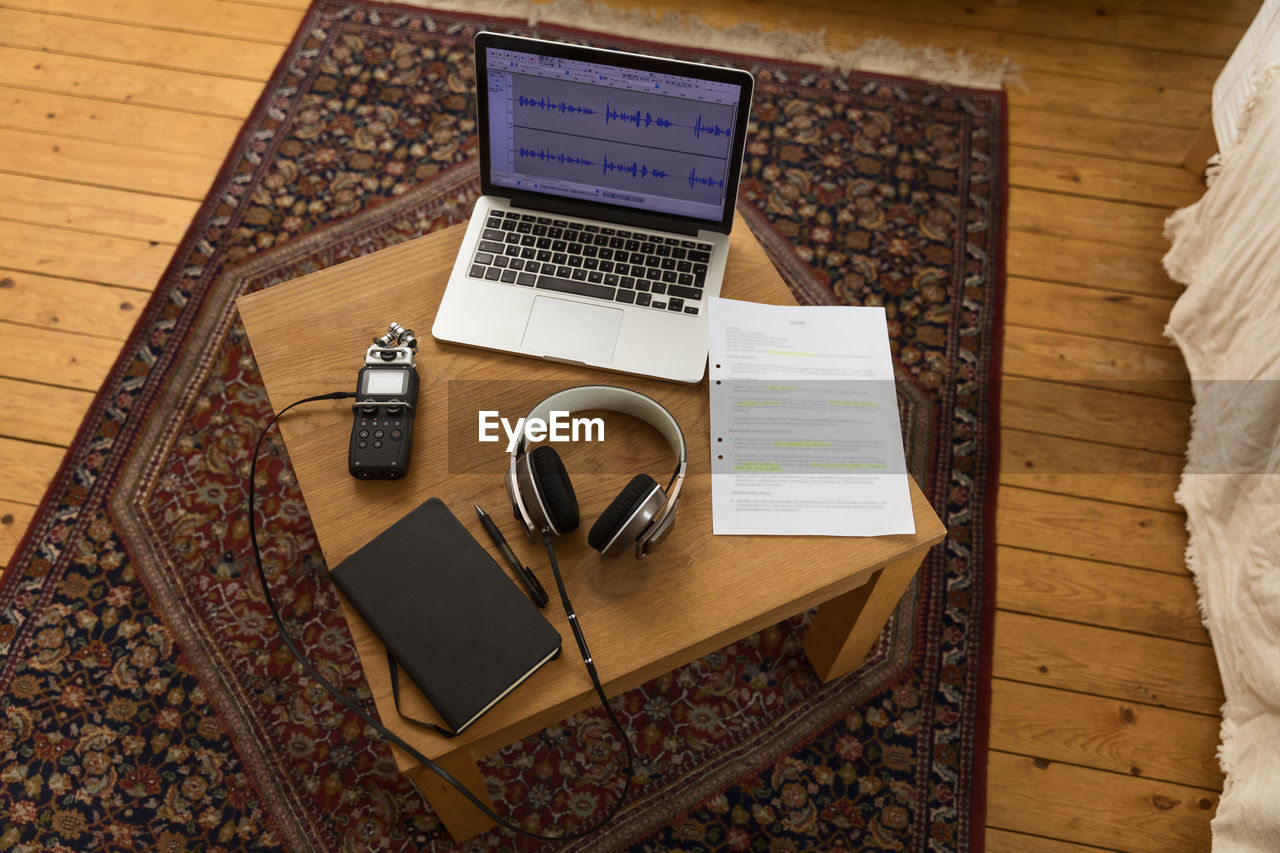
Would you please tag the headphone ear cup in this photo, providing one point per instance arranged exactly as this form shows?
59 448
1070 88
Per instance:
615 517
553 485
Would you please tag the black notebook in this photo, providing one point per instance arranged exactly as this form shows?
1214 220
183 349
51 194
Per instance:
455 622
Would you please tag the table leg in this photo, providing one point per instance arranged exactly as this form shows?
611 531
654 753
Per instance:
458 814
844 629
1204 146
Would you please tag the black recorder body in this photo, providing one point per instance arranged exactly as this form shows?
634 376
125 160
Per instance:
386 399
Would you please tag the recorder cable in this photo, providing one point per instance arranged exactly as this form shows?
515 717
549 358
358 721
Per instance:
354 707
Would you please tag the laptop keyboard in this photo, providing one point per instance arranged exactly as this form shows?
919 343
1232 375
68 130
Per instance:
613 264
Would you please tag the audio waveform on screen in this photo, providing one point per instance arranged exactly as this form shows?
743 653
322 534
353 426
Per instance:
635 170
710 129
639 118
695 180
556 106
548 156
610 114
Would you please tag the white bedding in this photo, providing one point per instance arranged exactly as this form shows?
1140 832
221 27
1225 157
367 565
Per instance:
1237 85
1226 249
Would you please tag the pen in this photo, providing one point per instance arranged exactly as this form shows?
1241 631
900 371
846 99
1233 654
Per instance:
535 589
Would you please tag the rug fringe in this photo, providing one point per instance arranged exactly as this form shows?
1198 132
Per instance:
879 55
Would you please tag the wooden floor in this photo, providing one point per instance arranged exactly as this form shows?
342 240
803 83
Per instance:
117 115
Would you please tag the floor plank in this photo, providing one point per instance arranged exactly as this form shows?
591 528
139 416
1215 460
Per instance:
1094 136
73 117
1134 102
1091 530
1104 178
1136 226
29 468
1105 416
46 302
1104 734
1075 22
113 165
847 27
1072 260
1116 365
207 94
122 261
15 518
102 210
1107 662
46 414
1093 311
1127 813
56 358
1086 469
1142 601
1237 12
1004 841
263 22
181 51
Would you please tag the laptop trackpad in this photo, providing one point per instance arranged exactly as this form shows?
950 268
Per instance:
572 330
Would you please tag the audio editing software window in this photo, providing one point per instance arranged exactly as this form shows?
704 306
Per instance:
652 141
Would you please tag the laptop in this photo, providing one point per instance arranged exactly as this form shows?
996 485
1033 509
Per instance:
609 181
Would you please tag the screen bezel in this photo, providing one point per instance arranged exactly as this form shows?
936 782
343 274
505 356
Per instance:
369 374
596 210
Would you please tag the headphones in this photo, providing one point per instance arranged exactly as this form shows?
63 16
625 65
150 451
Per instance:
542 497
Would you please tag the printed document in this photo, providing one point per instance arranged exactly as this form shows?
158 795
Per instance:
805 436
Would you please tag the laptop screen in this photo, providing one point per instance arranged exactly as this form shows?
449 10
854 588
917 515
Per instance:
604 131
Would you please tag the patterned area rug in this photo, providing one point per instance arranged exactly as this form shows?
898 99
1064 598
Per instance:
149 704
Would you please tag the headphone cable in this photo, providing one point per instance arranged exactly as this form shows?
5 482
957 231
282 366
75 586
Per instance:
354 707
590 663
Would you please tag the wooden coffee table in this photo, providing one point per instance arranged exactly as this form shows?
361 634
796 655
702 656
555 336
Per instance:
698 593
